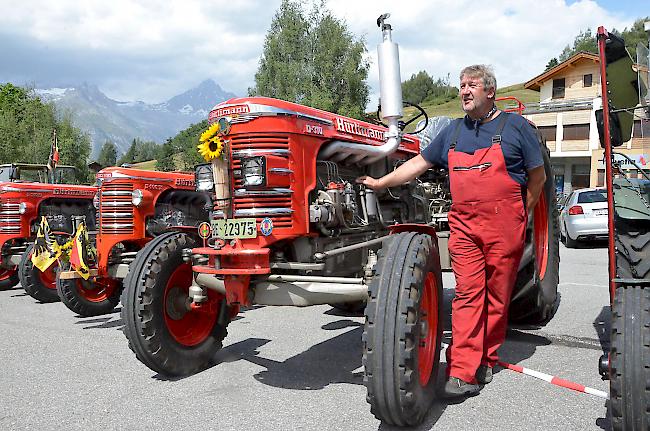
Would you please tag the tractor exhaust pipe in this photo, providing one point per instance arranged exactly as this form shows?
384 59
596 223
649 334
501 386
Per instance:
390 96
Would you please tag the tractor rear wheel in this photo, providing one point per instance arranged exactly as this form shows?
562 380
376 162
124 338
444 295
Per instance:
40 285
629 359
8 278
535 298
403 329
87 297
164 331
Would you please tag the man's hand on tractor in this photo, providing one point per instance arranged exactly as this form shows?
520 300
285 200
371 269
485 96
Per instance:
371 182
404 174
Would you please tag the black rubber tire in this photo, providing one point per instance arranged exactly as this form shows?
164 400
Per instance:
392 330
75 300
629 359
632 248
10 281
143 311
30 279
568 242
534 300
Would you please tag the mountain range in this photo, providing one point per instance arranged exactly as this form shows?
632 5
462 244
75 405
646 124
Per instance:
105 119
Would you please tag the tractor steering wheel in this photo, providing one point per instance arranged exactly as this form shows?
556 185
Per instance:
402 124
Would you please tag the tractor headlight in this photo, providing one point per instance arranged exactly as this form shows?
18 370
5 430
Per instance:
203 179
253 171
22 208
96 200
136 197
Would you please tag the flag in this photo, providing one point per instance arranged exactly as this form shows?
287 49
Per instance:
46 249
54 152
78 253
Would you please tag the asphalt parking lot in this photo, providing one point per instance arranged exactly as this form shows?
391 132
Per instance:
289 369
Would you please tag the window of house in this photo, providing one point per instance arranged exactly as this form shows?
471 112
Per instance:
574 132
641 128
558 88
587 80
548 132
580 176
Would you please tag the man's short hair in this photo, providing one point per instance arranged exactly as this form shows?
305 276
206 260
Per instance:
482 71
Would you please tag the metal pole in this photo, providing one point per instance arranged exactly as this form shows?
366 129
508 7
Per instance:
602 37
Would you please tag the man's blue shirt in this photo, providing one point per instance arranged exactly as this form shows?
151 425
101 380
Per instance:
519 144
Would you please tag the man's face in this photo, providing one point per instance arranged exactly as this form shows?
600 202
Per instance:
475 99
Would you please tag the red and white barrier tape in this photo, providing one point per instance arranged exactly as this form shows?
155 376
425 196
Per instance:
555 380
552 379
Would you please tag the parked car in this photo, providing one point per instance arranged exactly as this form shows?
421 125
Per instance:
584 216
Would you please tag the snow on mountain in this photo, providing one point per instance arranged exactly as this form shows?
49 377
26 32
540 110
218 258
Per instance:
122 121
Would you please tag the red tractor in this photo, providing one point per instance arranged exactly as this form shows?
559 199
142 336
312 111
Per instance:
289 226
134 206
27 193
627 363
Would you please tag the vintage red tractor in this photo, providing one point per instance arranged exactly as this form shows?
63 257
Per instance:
289 226
27 193
134 206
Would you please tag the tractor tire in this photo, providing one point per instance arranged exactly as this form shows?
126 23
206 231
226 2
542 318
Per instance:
629 359
39 285
167 337
403 329
89 298
8 278
535 298
632 248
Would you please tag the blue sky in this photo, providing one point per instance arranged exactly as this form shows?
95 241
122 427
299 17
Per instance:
152 50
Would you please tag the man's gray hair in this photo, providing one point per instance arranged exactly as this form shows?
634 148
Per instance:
482 71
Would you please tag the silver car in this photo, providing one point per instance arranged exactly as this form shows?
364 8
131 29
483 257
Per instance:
584 216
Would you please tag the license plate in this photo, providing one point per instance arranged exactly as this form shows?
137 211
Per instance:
234 228
600 212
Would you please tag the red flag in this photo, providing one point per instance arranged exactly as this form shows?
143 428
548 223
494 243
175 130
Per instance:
54 152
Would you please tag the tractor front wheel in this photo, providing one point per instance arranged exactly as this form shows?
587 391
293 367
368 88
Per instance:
40 285
89 297
8 278
629 359
165 331
403 329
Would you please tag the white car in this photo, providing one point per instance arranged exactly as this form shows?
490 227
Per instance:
584 216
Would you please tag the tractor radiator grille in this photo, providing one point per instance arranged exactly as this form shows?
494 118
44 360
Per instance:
9 217
275 203
116 209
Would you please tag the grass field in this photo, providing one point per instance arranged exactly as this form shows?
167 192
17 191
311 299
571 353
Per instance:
453 109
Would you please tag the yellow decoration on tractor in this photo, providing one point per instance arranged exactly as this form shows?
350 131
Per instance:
211 145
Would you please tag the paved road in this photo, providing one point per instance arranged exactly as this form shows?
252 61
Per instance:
287 369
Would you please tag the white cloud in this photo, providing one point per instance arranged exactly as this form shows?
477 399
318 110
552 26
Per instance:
152 50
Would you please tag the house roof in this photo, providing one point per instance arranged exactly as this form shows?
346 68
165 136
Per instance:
536 82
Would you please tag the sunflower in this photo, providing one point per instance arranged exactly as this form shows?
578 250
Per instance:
211 132
211 148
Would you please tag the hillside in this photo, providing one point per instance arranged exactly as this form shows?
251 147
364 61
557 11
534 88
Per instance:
453 109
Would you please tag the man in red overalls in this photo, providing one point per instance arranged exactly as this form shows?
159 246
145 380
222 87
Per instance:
496 173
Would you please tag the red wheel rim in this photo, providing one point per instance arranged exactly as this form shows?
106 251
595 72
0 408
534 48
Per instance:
193 326
540 224
48 277
6 273
429 329
97 291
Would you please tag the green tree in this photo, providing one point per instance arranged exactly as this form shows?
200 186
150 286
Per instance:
551 64
635 35
313 59
108 155
585 41
26 125
129 156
